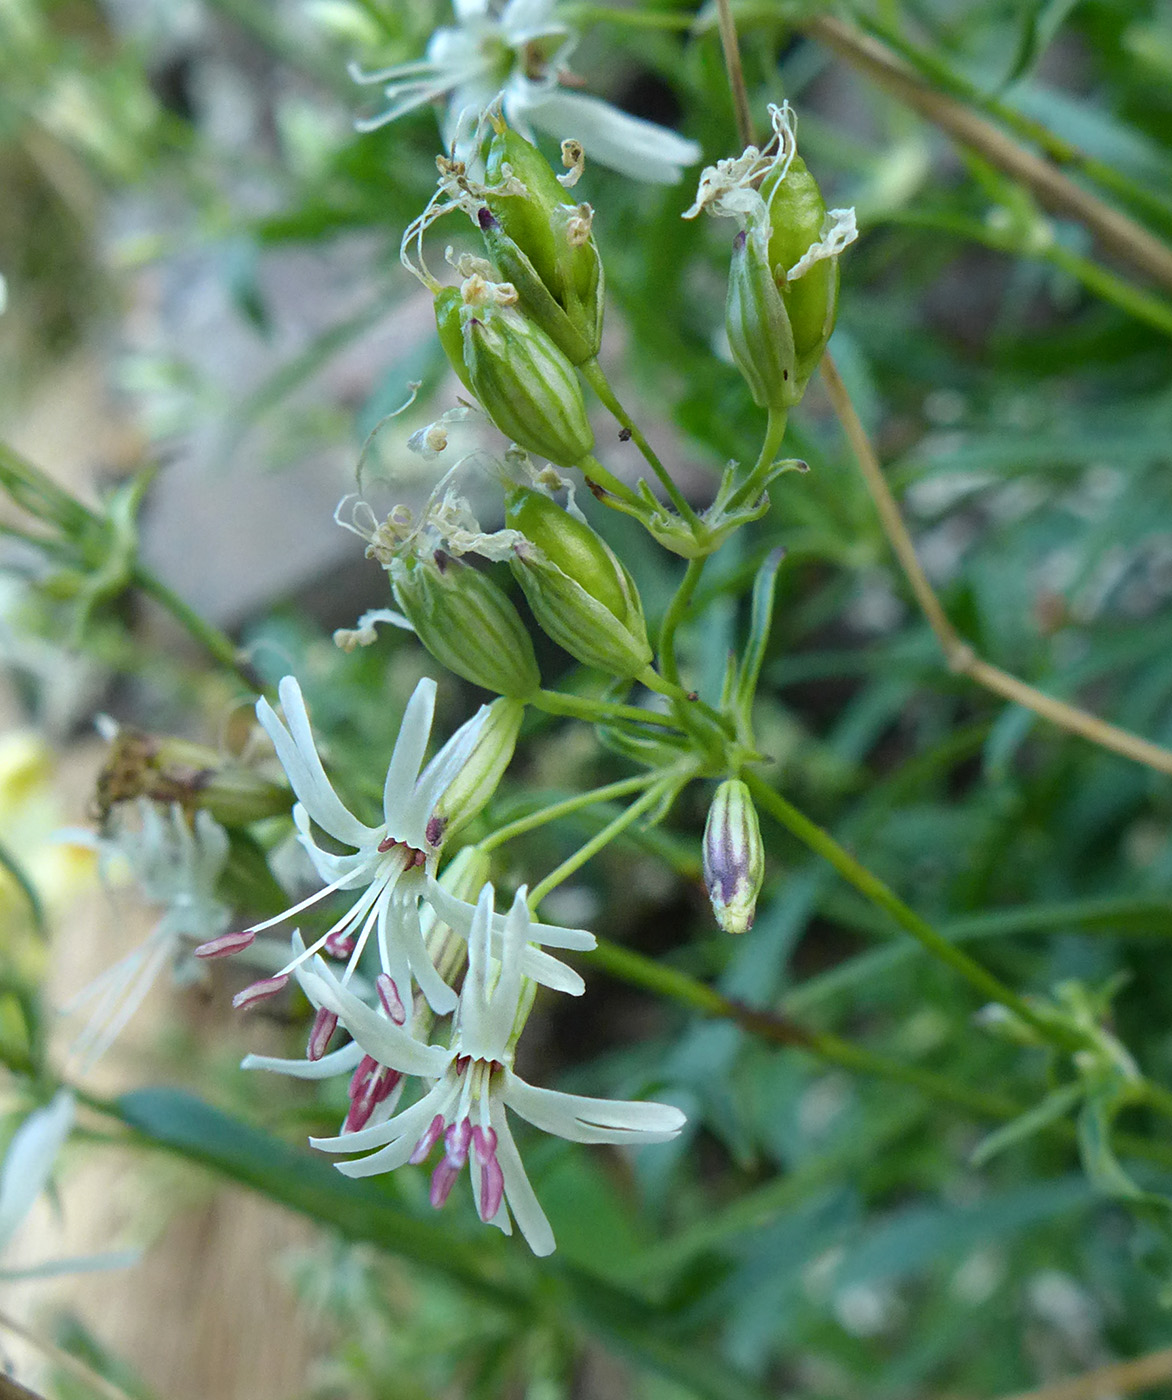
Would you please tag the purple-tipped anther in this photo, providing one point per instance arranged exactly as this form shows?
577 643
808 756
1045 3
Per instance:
457 1139
226 944
486 219
260 991
392 1002
492 1179
427 1141
340 945
370 1085
325 1023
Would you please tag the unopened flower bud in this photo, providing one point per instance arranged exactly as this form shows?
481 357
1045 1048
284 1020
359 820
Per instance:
734 858
526 385
580 592
480 776
466 622
169 770
758 326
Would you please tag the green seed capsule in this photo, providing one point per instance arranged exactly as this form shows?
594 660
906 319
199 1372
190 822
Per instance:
797 220
526 385
467 623
542 244
448 322
758 327
579 591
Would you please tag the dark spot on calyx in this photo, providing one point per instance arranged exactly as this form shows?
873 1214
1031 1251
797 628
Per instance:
486 219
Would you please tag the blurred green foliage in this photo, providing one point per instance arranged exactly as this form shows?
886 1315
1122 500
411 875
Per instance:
816 1232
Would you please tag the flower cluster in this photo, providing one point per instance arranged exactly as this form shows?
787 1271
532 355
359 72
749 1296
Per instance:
425 929
176 861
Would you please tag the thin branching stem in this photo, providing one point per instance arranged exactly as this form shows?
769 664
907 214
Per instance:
960 656
622 788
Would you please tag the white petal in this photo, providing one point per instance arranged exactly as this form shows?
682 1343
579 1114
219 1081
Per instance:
336 1062
581 1119
545 969
29 1160
298 754
413 1124
440 773
634 147
526 1208
377 1034
410 747
406 1126
479 1034
457 913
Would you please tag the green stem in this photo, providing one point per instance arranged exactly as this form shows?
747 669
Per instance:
593 375
559 702
217 643
603 838
674 616
597 475
639 971
774 434
878 893
622 788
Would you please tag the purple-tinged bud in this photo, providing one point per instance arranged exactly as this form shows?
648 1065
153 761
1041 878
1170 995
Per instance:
734 858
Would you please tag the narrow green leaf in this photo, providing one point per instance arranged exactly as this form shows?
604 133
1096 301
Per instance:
1047 1111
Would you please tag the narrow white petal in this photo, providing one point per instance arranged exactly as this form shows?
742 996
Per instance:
336 1062
457 914
581 1119
29 1160
410 747
409 936
634 147
408 1125
526 1208
395 1154
303 767
478 1033
376 1034
546 970
439 774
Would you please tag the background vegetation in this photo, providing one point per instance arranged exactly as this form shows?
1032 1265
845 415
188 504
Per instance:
824 1227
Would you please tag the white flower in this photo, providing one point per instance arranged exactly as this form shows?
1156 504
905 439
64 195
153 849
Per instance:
28 1164
393 864
474 1083
518 51
177 864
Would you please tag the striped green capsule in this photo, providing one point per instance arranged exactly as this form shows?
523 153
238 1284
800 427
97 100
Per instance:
467 622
